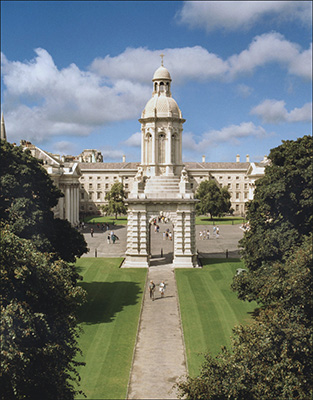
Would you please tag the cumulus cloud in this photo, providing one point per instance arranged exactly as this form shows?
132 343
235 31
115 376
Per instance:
42 101
65 147
269 48
110 153
134 140
139 64
67 101
275 112
241 15
231 134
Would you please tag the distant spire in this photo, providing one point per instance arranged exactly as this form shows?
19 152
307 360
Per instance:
3 132
162 55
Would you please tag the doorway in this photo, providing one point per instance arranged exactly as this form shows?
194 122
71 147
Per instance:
161 241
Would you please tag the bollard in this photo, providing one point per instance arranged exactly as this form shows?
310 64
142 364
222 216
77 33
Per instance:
96 253
161 252
226 253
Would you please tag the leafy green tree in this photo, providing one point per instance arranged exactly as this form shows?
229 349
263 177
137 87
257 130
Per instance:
213 199
280 215
39 300
115 198
26 201
271 358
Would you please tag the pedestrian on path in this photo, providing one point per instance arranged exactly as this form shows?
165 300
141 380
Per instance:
109 239
91 232
151 290
162 288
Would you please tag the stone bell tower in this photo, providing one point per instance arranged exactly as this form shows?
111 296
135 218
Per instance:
161 127
161 185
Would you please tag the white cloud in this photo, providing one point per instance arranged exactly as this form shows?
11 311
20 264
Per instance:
65 147
231 134
110 153
48 101
42 101
274 111
272 48
244 90
134 140
139 64
241 15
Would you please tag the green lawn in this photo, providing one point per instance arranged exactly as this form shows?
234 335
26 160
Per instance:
109 320
200 220
109 220
205 220
209 308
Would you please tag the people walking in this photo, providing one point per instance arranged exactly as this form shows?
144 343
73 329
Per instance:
151 290
91 232
162 288
109 239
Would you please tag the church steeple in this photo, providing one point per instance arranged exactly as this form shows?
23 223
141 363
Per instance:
3 132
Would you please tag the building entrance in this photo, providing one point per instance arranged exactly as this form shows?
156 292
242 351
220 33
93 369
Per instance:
161 241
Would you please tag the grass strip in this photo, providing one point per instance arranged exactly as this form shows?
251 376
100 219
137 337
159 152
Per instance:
109 320
209 308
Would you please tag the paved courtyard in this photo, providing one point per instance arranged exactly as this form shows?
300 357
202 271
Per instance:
213 247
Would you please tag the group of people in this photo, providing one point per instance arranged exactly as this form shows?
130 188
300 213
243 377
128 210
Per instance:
205 234
167 235
162 288
112 238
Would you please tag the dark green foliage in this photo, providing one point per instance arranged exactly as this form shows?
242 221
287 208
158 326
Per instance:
280 215
39 300
213 199
26 200
115 198
270 359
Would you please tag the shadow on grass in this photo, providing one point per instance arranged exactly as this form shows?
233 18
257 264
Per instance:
106 299
211 260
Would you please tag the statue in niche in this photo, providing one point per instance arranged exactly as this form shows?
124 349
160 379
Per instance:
139 175
184 176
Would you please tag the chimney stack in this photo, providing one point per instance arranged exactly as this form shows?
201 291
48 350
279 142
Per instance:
124 159
203 158
237 158
247 158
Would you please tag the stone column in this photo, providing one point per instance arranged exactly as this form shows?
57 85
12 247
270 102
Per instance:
67 203
78 208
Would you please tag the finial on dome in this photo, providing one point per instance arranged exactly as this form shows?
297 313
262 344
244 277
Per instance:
162 55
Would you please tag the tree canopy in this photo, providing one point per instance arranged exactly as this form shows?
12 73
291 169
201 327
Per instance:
271 358
115 198
213 199
39 300
27 197
280 215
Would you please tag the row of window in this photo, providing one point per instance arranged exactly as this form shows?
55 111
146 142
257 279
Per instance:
101 177
106 186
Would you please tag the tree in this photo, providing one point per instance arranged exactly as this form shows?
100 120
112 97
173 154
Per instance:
280 215
26 201
271 358
115 198
213 199
39 300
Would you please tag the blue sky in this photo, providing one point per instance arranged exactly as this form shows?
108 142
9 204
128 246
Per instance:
77 75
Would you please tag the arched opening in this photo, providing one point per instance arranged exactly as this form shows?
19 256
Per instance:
161 86
161 239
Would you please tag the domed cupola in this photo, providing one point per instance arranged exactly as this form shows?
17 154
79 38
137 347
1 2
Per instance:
161 127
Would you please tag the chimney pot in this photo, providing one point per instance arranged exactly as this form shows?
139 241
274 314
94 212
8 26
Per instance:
237 158
247 158
124 158
203 158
